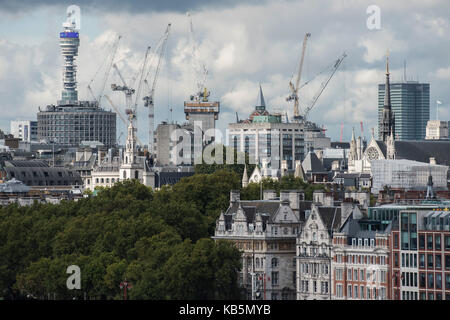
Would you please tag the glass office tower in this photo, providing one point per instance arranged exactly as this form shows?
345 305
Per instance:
410 102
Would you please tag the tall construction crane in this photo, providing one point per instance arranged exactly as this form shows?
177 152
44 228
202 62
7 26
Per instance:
127 90
108 68
149 98
200 80
294 89
109 60
142 73
122 117
323 85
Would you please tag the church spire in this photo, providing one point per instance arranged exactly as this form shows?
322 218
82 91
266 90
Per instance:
260 104
387 90
386 124
245 177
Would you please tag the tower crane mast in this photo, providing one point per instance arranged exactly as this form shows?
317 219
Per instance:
149 98
294 89
108 68
199 80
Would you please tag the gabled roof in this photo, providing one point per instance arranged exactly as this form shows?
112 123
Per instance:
312 164
331 217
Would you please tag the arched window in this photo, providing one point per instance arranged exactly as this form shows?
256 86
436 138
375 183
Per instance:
247 145
314 236
136 174
96 180
112 180
107 180
126 159
102 180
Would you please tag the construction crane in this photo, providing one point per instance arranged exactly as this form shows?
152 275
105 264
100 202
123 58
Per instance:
140 83
108 68
149 98
109 60
199 80
294 89
334 67
122 117
128 93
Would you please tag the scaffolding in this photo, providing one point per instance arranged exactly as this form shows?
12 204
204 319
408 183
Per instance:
407 174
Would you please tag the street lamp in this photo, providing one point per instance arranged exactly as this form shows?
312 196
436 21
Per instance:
125 285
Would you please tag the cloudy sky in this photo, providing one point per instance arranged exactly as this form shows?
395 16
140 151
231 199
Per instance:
242 43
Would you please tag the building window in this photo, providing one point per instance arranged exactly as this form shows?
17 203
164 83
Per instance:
275 278
430 281
447 242
437 242
422 260
447 262
430 260
438 261
438 281
447 282
349 291
274 262
430 242
422 280
396 259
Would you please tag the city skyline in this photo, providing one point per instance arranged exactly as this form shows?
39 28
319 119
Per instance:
242 46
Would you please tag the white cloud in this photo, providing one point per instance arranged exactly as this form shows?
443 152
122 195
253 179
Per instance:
243 46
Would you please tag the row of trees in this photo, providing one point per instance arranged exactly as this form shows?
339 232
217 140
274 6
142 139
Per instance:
160 241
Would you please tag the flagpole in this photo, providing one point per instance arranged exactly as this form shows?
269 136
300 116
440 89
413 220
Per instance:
438 102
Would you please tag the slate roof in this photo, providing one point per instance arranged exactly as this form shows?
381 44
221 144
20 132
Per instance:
352 175
42 176
331 217
267 208
382 147
162 178
423 150
340 145
312 164
26 163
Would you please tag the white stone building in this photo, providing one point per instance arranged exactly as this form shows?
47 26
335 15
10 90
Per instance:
265 231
